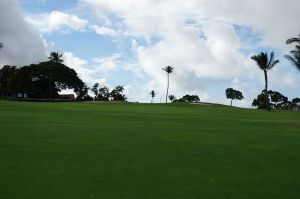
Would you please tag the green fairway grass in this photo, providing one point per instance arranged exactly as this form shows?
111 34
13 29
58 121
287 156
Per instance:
137 151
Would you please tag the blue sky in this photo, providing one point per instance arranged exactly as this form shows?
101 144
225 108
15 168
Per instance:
127 42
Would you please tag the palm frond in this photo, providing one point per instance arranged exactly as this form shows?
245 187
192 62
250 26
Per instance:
294 60
260 60
264 62
168 69
55 57
271 60
273 64
293 40
294 57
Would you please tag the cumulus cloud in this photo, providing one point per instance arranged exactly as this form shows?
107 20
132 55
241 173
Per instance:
79 65
208 42
95 73
107 64
22 44
58 21
200 39
150 16
65 23
102 30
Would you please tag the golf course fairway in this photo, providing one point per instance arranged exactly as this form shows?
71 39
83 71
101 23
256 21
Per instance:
153 151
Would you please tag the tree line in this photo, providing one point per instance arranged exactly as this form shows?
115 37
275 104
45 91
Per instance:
47 79
268 99
266 63
104 94
42 80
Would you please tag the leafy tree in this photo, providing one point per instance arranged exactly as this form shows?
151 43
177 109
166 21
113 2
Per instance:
103 94
83 94
189 99
260 101
6 74
152 93
22 80
117 94
279 101
295 103
46 79
169 70
95 90
56 57
265 64
58 77
233 95
294 56
275 101
172 98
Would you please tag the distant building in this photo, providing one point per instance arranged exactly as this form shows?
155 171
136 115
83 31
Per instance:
297 108
70 97
20 94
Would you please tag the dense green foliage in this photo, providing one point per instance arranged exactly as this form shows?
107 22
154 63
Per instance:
43 80
233 94
135 151
275 100
117 94
188 99
103 93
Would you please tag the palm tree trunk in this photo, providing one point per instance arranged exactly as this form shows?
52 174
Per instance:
266 90
167 90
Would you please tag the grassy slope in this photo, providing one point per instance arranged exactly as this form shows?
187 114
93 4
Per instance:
69 150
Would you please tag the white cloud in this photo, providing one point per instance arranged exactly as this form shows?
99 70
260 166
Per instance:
148 17
107 64
79 65
22 44
90 75
64 23
102 30
199 38
58 21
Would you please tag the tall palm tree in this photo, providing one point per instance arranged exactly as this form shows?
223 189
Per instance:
294 58
56 57
152 93
169 70
265 64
